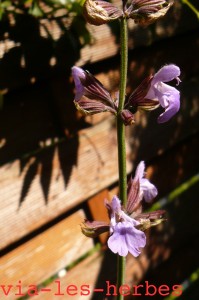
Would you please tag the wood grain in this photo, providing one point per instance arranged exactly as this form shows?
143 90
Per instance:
88 168
78 276
98 210
45 254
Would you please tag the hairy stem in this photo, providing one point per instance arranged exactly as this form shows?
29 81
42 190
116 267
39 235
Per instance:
121 140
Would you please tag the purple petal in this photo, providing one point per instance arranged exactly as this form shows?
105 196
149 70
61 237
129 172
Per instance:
139 173
116 205
117 242
78 73
114 210
149 190
126 238
172 97
166 74
129 219
168 96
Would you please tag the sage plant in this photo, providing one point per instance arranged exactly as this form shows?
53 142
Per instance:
127 220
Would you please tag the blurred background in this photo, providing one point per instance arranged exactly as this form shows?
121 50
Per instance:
57 167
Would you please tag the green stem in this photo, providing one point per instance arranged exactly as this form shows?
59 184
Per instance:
121 140
192 7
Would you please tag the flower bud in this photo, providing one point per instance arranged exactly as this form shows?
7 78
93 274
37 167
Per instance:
145 12
94 228
100 12
127 117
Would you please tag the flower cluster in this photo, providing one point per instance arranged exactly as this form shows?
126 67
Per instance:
127 225
92 97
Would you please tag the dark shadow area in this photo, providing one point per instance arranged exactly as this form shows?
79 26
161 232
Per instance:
179 20
38 118
173 248
107 277
37 53
34 129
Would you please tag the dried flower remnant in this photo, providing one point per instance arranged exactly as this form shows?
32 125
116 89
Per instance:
100 12
91 96
153 92
127 225
145 12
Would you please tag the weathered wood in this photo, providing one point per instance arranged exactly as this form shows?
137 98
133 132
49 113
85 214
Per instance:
39 115
97 264
65 176
85 273
45 254
177 165
28 120
43 46
98 210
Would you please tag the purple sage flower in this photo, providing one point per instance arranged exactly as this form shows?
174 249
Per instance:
168 96
148 190
127 225
125 236
152 93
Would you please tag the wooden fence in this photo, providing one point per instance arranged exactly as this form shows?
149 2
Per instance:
58 167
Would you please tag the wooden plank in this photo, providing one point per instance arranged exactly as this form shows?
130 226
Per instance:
45 254
98 210
23 59
65 175
174 167
102 266
31 113
78 276
39 115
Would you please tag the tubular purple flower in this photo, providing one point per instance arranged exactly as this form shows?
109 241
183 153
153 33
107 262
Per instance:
126 227
91 96
125 237
148 190
168 96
